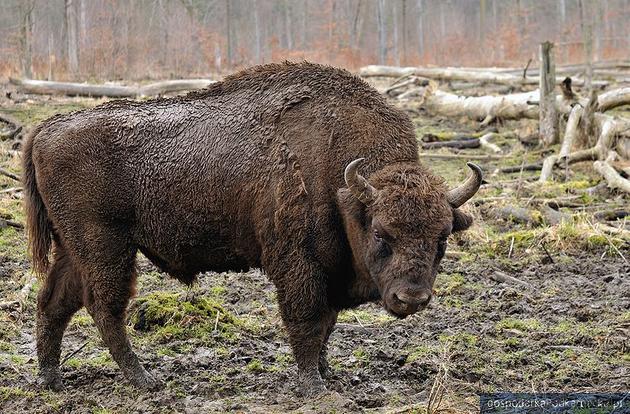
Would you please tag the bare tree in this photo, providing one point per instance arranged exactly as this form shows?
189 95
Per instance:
382 36
257 31
72 35
420 28
395 29
104 38
26 35
228 31
404 30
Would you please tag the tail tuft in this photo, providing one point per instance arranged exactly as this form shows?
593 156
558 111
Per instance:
37 223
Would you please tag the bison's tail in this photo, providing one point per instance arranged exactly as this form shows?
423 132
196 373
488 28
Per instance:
37 224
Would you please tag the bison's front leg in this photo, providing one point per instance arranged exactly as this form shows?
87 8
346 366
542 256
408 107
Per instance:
308 320
307 337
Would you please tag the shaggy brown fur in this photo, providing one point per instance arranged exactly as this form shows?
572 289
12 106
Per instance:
247 173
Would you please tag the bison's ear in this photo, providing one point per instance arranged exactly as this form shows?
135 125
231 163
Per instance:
461 220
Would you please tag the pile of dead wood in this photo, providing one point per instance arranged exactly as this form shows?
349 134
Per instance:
591 134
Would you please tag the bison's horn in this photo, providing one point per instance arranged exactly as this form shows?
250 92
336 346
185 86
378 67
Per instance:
357 184
458 196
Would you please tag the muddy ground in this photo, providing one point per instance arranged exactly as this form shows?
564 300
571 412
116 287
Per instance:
561 324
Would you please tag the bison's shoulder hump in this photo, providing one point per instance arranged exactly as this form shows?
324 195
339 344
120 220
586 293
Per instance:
321 80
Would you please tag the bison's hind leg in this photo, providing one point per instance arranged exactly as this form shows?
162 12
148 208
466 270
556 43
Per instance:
59 298
109 283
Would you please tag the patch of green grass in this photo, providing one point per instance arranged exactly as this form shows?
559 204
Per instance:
101 410
8 393
18 359
524 325
82 318
460 339
53 400
256 365
164 351
452 302
103 359
33 114
552 189
366 316
572 331
361 355
218 291
7 328
448 284
284 361
74 362
7 347
421 352
12 244
168 316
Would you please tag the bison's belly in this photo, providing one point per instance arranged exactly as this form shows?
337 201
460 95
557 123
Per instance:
189 260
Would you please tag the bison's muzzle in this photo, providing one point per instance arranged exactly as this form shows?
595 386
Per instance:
405 302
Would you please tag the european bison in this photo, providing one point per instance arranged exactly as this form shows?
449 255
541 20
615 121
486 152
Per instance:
265 169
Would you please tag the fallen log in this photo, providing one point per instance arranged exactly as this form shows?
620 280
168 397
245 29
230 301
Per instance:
459 74
458 144
518 168
553 216
612 177
484 141
611 215
9 174
13 123
613 99
510 106
513 106
518 215
397 88
111 91
10 223
481 157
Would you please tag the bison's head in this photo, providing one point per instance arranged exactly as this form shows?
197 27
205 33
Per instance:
397 225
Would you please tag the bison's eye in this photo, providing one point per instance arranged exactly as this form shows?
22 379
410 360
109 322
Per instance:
382 248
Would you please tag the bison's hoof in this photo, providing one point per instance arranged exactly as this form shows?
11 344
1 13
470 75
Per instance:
311 386
50 381
145 381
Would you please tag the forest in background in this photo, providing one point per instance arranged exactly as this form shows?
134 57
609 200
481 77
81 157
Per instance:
140 39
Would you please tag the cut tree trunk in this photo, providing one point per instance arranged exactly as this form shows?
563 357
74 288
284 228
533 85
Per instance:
548 113
570 132
111 91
